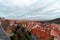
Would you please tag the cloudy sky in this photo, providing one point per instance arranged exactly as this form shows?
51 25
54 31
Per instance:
30 9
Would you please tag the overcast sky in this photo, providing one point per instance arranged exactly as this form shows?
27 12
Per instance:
30 9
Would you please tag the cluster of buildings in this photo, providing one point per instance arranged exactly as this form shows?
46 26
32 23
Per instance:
40 31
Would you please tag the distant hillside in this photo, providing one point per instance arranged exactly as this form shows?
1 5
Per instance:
57 20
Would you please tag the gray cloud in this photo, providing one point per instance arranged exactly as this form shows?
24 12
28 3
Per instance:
30 9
